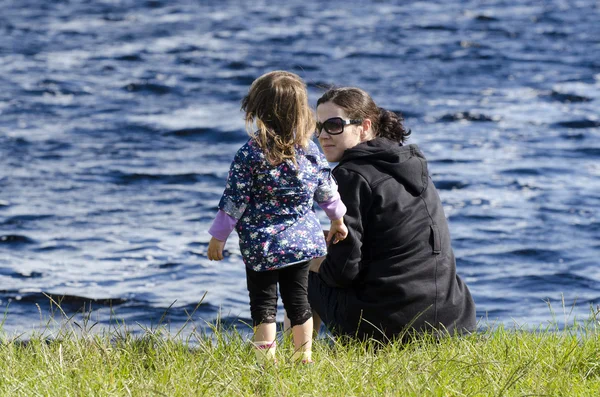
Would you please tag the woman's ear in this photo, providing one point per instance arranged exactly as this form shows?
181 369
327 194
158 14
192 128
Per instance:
366 133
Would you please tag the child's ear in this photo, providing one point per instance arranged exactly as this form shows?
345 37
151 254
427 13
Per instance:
366 132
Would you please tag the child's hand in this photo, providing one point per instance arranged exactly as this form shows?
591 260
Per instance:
215 249
338 231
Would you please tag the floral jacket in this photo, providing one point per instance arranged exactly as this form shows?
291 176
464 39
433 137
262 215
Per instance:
277 225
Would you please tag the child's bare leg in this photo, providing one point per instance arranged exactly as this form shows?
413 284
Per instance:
265 331
302 335
287 325
264 342
316 323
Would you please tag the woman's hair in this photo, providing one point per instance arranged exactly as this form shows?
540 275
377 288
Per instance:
359 105
278 102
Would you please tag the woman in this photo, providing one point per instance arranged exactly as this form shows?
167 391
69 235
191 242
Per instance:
395 273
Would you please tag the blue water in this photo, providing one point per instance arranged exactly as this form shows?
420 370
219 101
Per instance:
118 120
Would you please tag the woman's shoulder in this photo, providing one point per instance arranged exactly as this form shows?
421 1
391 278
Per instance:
358 174
349 173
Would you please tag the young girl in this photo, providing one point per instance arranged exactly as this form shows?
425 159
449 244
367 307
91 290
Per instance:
268 199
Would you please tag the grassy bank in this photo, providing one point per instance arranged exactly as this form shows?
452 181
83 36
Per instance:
497 362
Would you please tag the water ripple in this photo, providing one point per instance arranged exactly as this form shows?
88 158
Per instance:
120 119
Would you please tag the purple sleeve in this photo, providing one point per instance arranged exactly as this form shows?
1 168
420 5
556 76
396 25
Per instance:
334 207
222 226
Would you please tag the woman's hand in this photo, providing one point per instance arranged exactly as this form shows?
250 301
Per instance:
337 232
215 249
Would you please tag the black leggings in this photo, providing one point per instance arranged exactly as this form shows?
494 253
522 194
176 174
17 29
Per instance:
293 286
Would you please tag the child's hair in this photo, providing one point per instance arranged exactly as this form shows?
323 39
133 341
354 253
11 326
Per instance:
359 105
278 102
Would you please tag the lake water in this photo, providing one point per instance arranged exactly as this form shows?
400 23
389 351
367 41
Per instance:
119 119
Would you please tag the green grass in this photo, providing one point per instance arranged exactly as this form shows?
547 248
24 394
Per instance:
497 362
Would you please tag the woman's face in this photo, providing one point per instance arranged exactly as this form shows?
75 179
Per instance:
335 145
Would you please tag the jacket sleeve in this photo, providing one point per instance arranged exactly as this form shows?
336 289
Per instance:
342 263
237 192
327 188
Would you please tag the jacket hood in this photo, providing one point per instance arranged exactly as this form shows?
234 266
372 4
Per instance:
405 163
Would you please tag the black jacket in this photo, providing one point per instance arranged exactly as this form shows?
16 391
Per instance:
397 263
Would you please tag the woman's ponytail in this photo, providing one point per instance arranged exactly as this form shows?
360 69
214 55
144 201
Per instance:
390 126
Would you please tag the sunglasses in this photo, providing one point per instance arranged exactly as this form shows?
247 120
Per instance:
334 126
